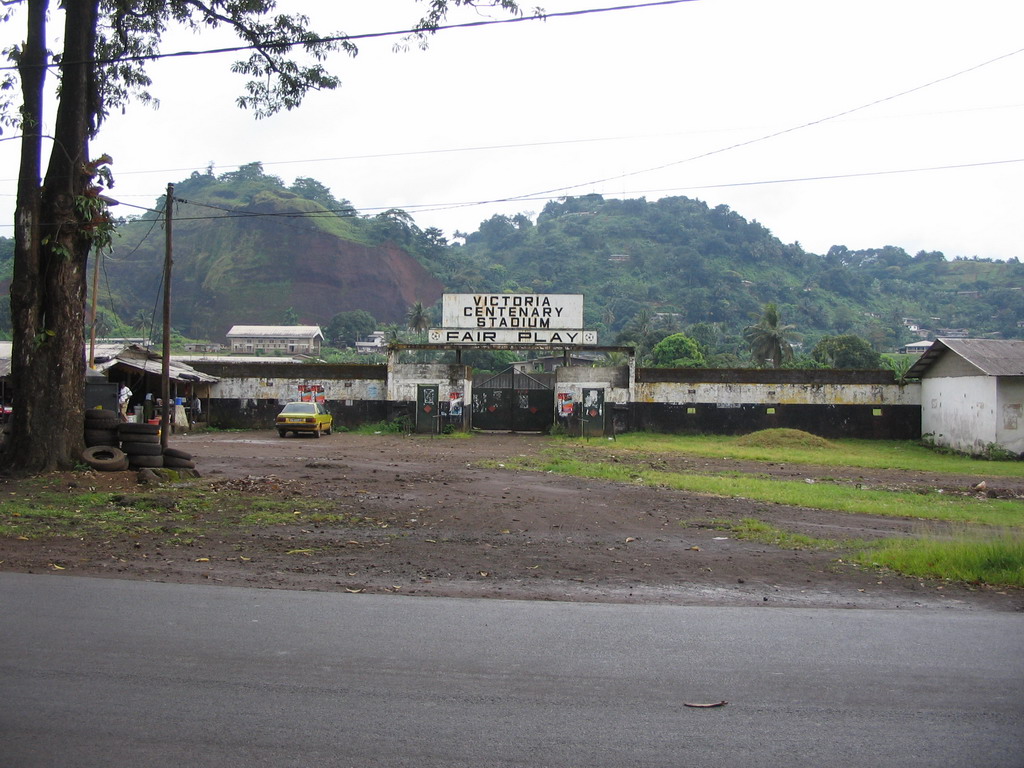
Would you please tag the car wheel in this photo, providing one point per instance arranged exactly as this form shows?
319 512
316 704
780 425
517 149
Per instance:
282 432
316 431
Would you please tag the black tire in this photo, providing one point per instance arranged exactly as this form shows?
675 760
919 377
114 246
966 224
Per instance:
329 431
175 453
105 458
132 437
132 428
97 419
283 432
146 461
142 449
316 431
100 437
172 462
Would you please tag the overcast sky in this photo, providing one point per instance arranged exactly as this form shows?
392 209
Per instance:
864 124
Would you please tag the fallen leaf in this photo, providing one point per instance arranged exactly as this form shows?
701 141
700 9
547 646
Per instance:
57 567
299 552
353 591
630 538
202 559
705 706
695 549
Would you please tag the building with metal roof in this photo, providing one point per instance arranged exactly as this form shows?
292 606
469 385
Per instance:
972 394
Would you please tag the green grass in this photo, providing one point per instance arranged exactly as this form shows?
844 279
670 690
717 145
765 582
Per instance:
45 511
841 498
870 454
998 561
756 530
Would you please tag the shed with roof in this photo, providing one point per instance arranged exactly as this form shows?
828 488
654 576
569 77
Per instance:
972 394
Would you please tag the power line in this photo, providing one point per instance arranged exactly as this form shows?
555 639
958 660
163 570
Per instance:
774 135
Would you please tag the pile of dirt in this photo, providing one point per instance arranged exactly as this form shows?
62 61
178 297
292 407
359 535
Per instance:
784 438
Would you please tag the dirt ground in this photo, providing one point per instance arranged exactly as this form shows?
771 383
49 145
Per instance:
450 520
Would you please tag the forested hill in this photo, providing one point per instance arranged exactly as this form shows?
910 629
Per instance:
684 263
249 249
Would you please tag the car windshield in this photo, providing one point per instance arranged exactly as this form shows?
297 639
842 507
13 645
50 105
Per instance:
299 408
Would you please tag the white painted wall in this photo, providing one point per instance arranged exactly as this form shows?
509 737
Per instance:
1010 415
287 389
574 379
960 412
777 394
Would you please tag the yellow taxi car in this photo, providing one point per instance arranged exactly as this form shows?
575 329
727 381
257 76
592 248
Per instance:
309 418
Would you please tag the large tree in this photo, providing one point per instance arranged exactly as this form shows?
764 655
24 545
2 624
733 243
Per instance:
846 351
106 44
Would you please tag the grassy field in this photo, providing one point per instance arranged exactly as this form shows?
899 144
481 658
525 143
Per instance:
792 447
988 548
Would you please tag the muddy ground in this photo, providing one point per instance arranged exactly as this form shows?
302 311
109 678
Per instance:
449 519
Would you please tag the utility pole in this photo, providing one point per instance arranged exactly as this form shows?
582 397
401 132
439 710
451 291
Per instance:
165 372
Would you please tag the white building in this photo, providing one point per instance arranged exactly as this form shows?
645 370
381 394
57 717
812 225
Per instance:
275 339
972 394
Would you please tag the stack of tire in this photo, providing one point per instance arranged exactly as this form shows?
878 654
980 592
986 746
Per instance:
102 439
177 459
141 443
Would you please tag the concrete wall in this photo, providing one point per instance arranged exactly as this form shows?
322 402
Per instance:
830 403
1010 415
959 412
250 395
613 380
404 378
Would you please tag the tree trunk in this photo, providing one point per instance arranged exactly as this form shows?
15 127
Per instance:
49 286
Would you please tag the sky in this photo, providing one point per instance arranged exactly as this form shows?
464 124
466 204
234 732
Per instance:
830 122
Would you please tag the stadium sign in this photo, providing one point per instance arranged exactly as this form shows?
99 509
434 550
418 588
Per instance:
512 318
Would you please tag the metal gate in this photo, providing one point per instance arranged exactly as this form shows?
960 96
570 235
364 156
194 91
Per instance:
513 401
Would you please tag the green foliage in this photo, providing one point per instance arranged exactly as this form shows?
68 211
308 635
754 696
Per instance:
346 328
677 351
846 351
769 339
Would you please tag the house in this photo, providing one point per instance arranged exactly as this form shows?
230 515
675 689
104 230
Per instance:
549 363
376 343
916 347
275 339
972 394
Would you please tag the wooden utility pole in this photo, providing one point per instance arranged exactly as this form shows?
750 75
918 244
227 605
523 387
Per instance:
165 372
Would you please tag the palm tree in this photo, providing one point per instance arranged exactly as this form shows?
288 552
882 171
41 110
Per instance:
417 318
769 339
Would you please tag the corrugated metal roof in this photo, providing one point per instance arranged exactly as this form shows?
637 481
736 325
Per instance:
275 331
993 357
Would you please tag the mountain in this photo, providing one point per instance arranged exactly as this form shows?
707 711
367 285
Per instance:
683 263
247 250
250 250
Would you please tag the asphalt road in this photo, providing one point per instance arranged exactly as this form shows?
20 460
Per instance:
98 672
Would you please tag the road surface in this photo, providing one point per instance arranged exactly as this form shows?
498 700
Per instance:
101 672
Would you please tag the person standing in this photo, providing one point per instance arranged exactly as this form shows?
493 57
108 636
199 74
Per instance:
123 396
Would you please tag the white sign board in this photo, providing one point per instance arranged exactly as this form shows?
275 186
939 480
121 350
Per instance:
562 338
513 311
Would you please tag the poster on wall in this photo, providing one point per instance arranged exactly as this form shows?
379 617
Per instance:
565 403
309 393
455 404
